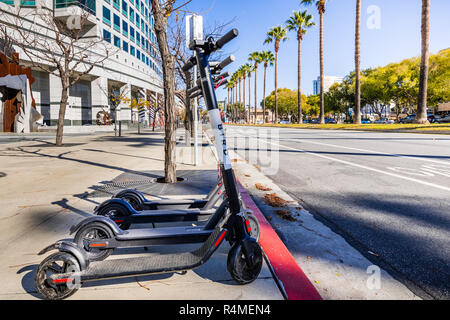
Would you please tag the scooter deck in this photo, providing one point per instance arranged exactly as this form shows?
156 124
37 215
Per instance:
174 204
116 268
174 215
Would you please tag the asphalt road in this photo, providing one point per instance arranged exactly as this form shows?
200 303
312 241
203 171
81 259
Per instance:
387 194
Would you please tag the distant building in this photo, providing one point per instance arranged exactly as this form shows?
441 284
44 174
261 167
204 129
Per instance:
327 83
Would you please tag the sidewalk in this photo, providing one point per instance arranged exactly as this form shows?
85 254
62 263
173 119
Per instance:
46 189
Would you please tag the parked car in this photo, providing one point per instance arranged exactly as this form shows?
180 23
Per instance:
408 119
443 119
332 121
384 121
366 121
284 122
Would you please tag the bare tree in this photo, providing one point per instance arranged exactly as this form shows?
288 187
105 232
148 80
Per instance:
62 46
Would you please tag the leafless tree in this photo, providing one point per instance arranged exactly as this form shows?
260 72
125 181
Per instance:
63 46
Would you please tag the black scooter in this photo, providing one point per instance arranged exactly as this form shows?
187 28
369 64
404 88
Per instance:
62 273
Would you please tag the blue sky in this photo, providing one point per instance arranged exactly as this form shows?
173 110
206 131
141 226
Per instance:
397 38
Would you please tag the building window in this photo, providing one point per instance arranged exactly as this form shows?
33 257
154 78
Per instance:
131 14
117 41
132 50
125 28
138 38
116 4
125 46
137 4
131 33
138 54
125 8
137 20
106 35
143 58
106 15
116 22
142 8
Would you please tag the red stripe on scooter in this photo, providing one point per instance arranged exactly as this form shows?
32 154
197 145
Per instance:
98 245
62 280
247 225
294 281
220 238
118 221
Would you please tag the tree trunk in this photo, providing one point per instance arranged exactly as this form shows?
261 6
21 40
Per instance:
256 86
276 85
357 118
300 114
243 92
264 95
168 66
322 94
249 99
421 116
62 113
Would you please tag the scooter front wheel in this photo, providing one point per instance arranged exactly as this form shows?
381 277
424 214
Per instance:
92 232
57 263
255 229
245 268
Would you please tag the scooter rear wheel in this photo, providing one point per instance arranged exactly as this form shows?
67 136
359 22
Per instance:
115 212
59 262
94 231
245 270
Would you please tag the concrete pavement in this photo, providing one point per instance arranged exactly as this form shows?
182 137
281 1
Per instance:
45 190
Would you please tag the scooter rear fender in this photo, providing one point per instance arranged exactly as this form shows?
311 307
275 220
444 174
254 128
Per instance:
107 221
68 247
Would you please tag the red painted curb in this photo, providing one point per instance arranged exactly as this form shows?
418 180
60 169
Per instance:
291 277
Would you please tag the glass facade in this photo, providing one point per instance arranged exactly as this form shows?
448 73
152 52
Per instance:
132 23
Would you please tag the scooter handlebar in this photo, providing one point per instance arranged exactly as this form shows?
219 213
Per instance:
191 63
230 35
226 62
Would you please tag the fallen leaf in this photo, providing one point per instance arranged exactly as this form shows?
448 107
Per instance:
273 200
259 186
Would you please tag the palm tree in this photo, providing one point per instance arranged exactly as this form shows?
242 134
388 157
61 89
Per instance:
267 58
320 4
300 22
357 118
255 57
245 70
421 116
276 35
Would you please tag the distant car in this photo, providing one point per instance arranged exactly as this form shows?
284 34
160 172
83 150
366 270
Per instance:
443 119
408 119
384 121
332 121
314 121
366 121
284 121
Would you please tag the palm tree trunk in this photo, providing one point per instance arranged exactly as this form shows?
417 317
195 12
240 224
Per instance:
249 98
276 85
264 95
357 118
300 115
322 94
256 84
243 93
424 64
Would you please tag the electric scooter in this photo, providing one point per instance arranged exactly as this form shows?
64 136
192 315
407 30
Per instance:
62 273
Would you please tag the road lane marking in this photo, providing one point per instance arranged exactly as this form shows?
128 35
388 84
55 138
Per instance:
365 167
371 151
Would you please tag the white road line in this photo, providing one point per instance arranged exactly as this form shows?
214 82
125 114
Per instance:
371 151
365 167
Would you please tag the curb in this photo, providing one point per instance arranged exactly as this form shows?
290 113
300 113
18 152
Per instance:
290 278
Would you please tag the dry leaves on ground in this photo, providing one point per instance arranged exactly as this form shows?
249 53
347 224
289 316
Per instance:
273 200
261 187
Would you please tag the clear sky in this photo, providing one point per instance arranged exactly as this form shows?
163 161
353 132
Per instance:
391 38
